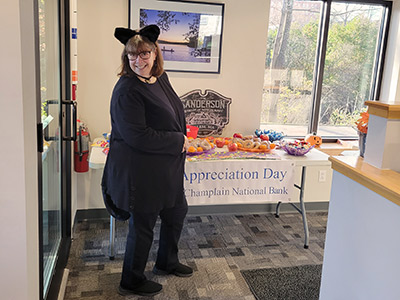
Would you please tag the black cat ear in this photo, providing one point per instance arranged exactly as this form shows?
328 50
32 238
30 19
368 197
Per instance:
124 34
151 32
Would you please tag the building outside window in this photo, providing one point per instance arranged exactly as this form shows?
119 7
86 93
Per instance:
324 60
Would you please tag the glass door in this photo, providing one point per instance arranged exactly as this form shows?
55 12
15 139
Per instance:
54 141
50 91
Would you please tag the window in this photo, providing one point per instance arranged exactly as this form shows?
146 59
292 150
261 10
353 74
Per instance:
324 60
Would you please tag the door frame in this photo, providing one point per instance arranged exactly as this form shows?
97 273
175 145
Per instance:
65 150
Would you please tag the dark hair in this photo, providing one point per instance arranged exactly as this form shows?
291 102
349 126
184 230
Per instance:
137 44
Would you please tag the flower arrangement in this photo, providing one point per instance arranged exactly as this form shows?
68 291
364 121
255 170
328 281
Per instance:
362 122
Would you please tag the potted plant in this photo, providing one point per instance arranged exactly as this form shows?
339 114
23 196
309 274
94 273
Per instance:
362 129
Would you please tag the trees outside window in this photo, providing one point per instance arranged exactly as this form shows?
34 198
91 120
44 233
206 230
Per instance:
322 62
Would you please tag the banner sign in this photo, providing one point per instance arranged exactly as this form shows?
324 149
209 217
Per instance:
234 182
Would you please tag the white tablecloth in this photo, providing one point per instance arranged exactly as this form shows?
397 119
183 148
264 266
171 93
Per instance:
237 181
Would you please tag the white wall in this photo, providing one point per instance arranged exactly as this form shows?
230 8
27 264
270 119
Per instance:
19 255
98 59
98 64
361 258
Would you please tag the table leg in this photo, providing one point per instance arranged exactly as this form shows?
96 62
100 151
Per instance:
302 206
112 238
277 209
302 209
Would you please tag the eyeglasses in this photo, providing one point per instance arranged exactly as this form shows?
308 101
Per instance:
142 55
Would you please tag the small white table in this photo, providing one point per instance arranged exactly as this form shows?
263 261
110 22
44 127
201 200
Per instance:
314 158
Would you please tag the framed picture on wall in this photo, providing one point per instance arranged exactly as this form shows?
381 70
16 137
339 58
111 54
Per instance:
191 32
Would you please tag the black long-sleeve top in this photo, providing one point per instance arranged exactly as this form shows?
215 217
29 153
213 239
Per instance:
145 165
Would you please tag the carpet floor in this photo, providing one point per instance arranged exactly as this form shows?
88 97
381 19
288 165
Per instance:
217 247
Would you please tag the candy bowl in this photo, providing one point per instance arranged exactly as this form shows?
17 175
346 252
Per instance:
297 148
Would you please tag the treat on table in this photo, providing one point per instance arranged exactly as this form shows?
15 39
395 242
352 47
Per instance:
101 143
106 150
297 147
272 134
199 145
251 143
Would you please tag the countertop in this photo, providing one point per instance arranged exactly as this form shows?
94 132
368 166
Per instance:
382 181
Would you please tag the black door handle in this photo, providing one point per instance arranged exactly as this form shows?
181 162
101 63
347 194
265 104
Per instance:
46 134
74 120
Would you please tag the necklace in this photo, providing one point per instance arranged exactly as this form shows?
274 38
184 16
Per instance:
149 80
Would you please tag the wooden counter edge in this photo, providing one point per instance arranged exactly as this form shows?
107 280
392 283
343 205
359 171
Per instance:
384 182
384 110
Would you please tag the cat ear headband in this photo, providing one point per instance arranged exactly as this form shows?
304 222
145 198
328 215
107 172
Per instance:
124 34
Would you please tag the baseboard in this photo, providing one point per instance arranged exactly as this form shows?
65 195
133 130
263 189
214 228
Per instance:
254 208
101 213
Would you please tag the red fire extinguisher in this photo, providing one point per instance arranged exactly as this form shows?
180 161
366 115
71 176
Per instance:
81 149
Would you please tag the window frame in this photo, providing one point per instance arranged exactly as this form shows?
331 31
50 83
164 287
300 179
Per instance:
376 80
323 31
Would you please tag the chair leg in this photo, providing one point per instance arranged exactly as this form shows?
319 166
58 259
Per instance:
112 238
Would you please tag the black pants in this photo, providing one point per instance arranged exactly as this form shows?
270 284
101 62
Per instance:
140 238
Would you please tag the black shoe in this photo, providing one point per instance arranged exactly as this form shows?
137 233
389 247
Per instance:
180 271
147 288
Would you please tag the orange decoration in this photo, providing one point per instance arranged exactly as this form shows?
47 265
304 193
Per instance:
362 123
313 139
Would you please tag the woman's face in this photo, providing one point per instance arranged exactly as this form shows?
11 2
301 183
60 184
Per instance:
142 62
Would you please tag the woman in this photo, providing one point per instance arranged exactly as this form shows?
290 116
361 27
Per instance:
143 176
